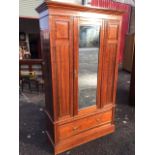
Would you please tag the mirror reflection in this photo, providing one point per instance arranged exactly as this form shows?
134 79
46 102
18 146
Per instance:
88 64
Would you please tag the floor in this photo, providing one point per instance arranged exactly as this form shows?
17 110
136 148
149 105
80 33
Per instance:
33 140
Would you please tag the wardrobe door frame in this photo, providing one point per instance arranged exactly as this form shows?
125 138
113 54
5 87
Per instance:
97 106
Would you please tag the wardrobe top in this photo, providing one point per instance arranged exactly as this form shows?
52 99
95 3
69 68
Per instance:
49 5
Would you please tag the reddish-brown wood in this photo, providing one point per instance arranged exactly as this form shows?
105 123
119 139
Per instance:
78 126
84 137
102 45
128 52
110 61
62 60
45 46
67 126
75 65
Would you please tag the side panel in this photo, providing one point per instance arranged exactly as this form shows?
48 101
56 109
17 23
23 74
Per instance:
110 61
62 60
45 47
47 69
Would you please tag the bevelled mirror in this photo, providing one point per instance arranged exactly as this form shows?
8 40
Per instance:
89 43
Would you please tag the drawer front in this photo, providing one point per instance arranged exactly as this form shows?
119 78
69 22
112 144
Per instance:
75 127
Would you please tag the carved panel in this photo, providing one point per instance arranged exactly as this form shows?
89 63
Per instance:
62 51
113 31
62 62
112 50
62 65
109 62
62 29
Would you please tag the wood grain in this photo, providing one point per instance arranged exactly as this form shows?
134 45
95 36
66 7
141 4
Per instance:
67 126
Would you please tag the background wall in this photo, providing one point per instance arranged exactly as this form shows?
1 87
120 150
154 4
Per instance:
69 1
27 7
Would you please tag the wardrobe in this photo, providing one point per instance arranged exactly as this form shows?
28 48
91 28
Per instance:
80 47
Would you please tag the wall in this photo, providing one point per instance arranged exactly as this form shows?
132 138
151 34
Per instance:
69 1
27 7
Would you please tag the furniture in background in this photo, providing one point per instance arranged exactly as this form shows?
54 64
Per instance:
31 73
129 52
80 49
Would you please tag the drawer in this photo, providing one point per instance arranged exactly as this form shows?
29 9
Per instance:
80 125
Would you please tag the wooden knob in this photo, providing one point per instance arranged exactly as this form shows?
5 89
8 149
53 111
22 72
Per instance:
75 128
98 120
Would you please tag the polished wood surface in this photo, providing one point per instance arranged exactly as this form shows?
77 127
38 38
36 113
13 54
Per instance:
129 52
74 7
62 64
78 126
67 125
110 61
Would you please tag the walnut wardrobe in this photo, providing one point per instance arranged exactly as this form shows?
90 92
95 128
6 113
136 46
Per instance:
80 48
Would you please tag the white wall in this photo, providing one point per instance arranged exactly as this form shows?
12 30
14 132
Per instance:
69 1
27 7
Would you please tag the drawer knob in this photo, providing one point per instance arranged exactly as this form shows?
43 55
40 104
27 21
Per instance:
98 120
75 128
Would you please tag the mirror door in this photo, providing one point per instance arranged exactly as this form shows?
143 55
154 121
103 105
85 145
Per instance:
87 63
